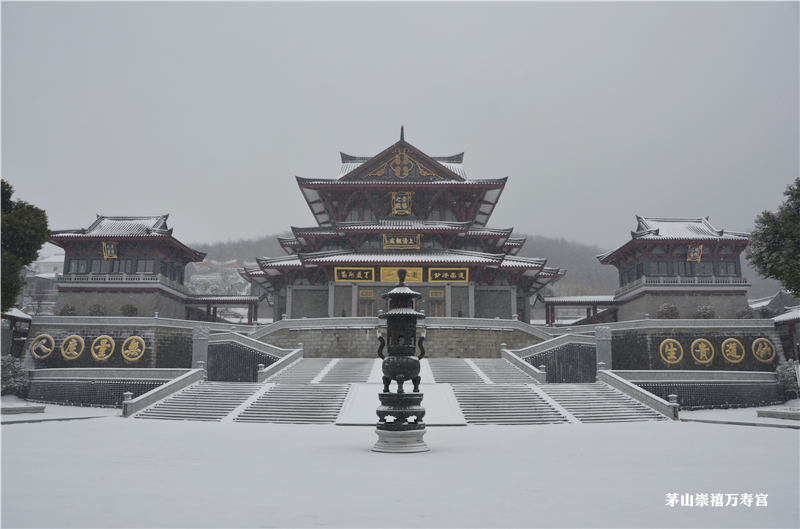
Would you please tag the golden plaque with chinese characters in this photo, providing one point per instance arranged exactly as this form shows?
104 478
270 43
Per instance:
671 351
702 351
763 350
733 350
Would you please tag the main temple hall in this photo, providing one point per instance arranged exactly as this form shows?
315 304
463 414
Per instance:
401 209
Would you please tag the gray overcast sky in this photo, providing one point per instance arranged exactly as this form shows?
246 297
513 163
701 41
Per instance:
595 111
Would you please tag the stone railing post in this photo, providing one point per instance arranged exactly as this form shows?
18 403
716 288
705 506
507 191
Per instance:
200 334
602 337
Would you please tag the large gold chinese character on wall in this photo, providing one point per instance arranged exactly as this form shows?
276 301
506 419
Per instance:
733 350
72 347
102 347
763 350
671 351
42 346
133 349
702 351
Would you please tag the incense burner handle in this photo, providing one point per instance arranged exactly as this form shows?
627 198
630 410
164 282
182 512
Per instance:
421 347
380 348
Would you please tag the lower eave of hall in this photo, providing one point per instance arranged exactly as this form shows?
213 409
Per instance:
319 268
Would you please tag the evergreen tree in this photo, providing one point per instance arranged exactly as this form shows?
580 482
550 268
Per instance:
774 249
24 232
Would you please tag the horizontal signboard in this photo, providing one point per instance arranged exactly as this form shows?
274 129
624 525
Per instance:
448 275
389 275
355 274
401 242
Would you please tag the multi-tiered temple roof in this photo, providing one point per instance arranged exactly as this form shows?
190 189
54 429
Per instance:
402 208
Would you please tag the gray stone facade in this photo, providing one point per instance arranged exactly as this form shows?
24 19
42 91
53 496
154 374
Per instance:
725 304
164 346
147 303
342 342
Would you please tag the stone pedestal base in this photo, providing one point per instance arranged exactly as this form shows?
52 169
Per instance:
402 442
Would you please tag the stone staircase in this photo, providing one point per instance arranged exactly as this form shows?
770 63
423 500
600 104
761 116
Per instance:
505 404
310 392
203 401
454 371
598 402
297 404
313 390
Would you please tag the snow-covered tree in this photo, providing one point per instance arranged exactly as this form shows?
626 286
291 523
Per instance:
24 232
774 249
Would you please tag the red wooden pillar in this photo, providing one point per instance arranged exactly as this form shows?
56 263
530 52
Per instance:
250 314
208 311
255 312
214 314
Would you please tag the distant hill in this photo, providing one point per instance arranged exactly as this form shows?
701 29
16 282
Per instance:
243 250
585 275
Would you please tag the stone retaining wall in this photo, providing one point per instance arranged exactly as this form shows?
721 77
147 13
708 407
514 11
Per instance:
164 347
362 342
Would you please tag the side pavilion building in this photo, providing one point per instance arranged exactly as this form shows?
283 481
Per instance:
126 263
401 209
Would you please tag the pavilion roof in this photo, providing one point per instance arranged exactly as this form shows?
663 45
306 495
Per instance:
116 227
111 228
346 257
676 229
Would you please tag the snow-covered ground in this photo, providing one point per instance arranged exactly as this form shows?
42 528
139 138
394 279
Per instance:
115 472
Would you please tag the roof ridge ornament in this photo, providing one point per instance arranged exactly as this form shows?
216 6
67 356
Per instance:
402 138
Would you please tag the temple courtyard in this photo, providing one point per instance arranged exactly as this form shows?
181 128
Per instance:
101 470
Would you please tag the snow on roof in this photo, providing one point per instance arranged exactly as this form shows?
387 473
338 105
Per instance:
681 228
792 316
579 300
677 229
120 227
399 183
16 314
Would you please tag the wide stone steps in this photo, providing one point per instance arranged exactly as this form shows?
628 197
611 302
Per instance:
598 402
297 404
301 372
502 371
203 401
349 371
313 390
504 404
454 371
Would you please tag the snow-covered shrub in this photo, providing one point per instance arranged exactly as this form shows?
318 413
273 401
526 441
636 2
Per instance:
129 311
787 380
668 311
67 310
704 312
745 313
97 310
15 377
767 313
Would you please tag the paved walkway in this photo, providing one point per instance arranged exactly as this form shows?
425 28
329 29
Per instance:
52 412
